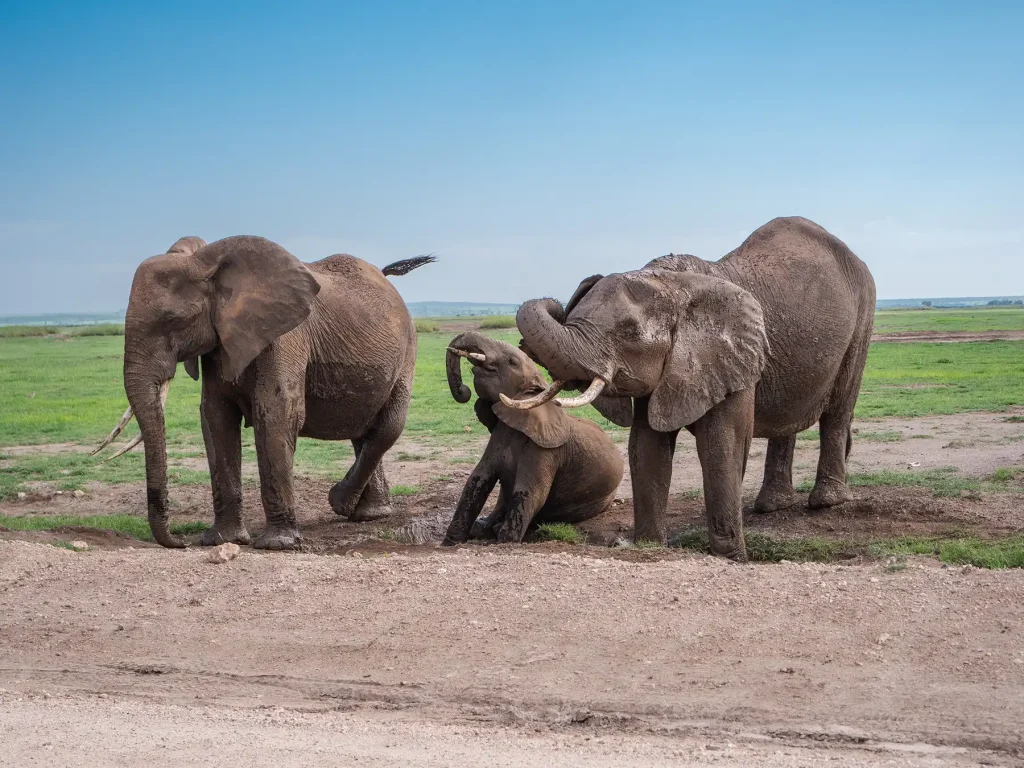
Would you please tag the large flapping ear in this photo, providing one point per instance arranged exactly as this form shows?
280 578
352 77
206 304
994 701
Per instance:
548 425
581 290
719 346
260 292
618 410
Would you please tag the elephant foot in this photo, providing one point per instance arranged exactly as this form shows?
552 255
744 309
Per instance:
828 494
738 552
224 533
278 539
343 500
774 499
370 510
483 528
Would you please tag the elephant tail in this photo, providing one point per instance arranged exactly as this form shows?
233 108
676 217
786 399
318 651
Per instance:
405 266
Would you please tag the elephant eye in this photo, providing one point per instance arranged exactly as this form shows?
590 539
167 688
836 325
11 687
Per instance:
514 362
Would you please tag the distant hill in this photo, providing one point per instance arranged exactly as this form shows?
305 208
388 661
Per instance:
66 318
945 303
458 308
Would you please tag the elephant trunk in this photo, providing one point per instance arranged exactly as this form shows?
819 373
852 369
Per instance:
556 346
471 345
144 393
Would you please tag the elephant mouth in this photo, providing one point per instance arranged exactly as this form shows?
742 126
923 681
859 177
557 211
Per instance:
597 385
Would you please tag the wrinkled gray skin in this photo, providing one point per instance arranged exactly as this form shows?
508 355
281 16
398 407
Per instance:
763 343
552 466
323 350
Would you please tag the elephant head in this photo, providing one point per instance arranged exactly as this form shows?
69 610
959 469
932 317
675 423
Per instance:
500 370
235 295
684 339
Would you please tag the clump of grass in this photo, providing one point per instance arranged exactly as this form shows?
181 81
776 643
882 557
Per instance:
1004 475
880 437
1015 419
498 321
944 481
809 434
404 490
426 326
768 549
27 331
563 532
403 456
647 544
981 553
36 331
136 527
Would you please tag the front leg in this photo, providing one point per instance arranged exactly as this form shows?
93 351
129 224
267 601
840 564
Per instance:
222 433
488 527
650 469
474 496
535 474
723 441
278 413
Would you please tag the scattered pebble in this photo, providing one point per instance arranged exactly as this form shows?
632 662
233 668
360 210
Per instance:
79 494
224 553
80 546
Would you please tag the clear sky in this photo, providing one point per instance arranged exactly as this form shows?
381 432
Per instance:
530 144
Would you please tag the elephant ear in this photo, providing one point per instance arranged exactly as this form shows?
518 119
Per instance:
546 425
485 413
719 346
261 292
192 367
582 290
618 410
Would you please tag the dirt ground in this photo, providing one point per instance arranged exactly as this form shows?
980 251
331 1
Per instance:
912 336
367 651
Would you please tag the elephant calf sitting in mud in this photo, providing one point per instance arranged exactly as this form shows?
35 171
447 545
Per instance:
553 467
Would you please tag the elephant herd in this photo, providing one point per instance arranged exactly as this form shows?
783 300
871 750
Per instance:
765 342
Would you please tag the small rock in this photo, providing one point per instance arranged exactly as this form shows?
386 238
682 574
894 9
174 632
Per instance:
22 495
884 638
80 546
356 554
913 464
224 553
59 493
967 568
79 494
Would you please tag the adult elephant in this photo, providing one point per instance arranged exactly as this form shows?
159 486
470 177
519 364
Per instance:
323 350
762 343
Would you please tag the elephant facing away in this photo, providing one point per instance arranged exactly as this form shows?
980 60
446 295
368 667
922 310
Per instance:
323 350
762 343
552 467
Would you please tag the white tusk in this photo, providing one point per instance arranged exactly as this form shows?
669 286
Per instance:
165 388
469 355
127 446
536 400
587 397
115 432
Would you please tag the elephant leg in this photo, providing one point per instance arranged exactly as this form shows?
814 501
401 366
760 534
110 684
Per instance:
277 420
488 527
346 496
723 441
222 433
777 490
474 496
375 501
650 468
535 475
835 426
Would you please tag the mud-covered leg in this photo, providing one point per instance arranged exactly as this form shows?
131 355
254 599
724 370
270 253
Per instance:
777 490
278 412
534 476
488 527
830 485
474 495
650 467
346 495
375 501
222 433
723 440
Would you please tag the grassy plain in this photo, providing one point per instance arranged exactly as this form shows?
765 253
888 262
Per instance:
951 320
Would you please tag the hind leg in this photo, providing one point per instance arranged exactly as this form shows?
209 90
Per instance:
347 496
777 489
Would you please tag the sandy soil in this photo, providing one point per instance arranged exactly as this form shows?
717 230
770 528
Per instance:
911 336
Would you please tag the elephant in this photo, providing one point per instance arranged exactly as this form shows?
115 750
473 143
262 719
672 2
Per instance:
763 343
323 350
552 466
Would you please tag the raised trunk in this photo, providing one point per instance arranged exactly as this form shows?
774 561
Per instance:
471 341
556 346
144 395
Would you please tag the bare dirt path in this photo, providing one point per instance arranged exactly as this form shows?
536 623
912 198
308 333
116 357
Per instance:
502 656
947 336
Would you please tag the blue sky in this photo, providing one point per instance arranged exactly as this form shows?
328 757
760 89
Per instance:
530 144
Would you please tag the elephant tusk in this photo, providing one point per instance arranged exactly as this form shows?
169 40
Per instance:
535 401
127 446
116 431
165 388
595 388
469 355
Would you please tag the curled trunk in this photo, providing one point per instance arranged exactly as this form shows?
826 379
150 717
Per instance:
470 343
556 347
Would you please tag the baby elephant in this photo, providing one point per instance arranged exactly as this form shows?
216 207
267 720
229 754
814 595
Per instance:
553 467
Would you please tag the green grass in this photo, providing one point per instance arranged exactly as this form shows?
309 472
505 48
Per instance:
982 553
35 331
136 527
945 481
498 321
404 490
563 532
426 326
950 320
879 437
